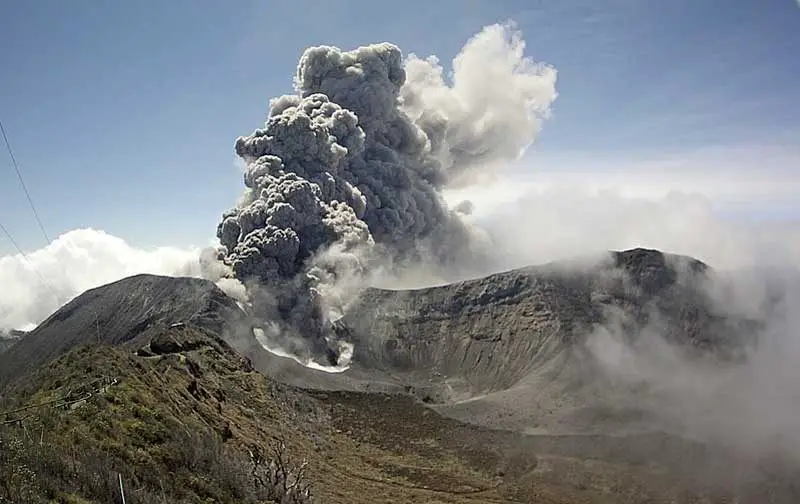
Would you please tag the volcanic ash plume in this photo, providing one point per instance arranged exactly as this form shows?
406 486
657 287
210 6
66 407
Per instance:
350 169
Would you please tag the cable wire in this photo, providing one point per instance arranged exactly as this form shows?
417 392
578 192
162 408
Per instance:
12 240
25 257
22 181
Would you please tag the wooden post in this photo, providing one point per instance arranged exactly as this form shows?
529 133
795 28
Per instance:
121 490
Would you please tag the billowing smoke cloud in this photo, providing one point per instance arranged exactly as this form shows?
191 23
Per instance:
82 259
349 170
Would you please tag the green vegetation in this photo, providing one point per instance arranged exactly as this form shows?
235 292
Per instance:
154 426
65 455
200 469
200 426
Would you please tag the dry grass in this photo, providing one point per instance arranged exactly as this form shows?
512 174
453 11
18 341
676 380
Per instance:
181 467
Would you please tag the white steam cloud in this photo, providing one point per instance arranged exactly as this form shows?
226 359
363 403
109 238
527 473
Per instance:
751 404
82 259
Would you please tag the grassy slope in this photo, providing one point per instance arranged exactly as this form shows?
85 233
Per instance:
163 408
178 426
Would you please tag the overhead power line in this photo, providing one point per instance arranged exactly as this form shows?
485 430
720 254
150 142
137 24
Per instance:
25 257
22 182
12 240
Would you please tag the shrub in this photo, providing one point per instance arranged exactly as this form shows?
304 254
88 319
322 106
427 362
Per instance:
199 464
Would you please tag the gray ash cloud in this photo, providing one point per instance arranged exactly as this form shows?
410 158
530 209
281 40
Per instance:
350 169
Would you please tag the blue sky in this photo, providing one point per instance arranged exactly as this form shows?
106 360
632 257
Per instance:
123 115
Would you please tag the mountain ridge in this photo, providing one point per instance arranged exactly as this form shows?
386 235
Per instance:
488 393
117 313
555 297
515 315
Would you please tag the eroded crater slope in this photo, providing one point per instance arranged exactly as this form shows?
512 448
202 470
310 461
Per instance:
514 349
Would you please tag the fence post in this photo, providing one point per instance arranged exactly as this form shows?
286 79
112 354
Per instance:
121 490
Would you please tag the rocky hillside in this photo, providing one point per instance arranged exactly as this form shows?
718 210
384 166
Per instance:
6 343
488 334
119 312
128 312
523 350
444 343
10 338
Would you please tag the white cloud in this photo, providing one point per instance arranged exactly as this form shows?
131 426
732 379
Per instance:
563 221
74 262
751 177
550 208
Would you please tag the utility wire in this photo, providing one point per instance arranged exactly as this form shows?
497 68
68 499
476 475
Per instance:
22 182
35 213
38 220
12 240
25 257
5 231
